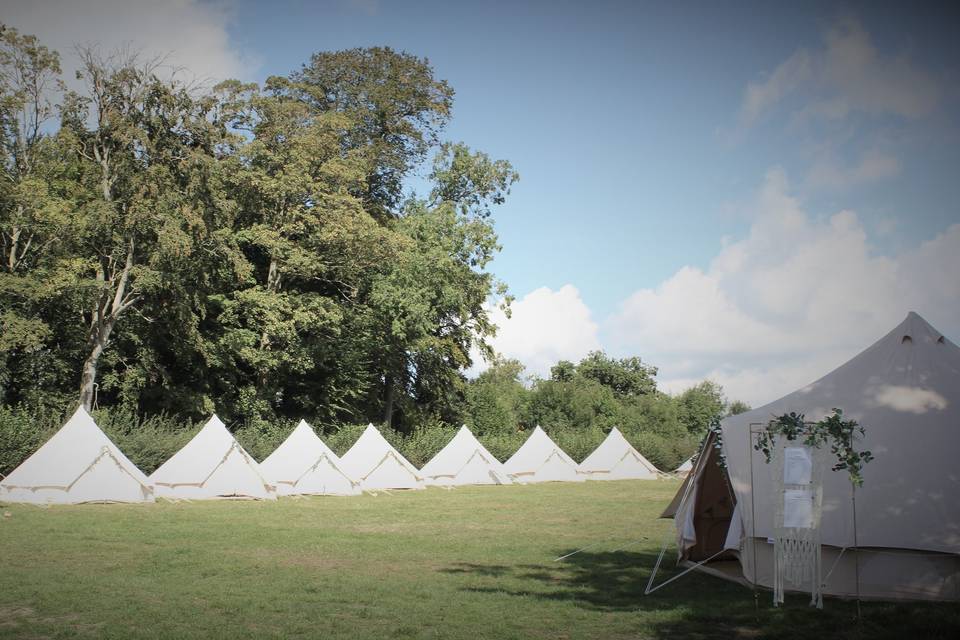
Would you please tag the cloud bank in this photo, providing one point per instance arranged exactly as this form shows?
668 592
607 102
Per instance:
795 298
546 326
188 33
775 310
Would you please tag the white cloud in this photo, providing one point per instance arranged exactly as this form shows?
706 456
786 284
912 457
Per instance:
796 297
762 96
188 33
847 74
828 173
546 326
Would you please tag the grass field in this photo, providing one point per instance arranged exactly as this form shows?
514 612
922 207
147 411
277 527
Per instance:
467 563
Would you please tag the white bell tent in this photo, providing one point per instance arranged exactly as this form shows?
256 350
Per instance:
685 468
78 464
464 461
376 465
304 465
616 459
211 465
539 459
897 536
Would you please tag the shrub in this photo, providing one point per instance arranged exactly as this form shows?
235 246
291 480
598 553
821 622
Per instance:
22 431
503 445
343 437
425 441
147 441
577 443
261 437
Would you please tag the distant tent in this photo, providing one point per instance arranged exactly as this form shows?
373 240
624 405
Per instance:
211 465
376 465
303 464
78 464
539 459
616 459
897 536
464 461
685 468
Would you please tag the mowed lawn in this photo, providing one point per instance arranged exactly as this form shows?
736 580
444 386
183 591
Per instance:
470 563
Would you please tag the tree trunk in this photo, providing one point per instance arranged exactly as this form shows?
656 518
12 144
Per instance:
102 321
388 400
89 377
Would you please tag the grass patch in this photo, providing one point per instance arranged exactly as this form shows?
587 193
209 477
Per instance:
471 563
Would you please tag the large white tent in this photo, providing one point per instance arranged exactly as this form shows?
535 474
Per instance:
303 464
78 464
464 461
897 536
211 465
616 459
539 459
375 464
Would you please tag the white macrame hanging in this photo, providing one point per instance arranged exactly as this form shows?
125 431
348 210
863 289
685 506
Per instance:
798 476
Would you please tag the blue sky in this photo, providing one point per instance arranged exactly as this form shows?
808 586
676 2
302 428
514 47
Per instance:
750 192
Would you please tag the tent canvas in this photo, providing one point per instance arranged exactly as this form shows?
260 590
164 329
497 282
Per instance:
78 464
539 459
685 468
304 465
376 465
616 459
894 537
464 461
212 465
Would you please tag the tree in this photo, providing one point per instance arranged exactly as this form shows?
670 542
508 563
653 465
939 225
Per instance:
143 149
628 377
433 300
496 400
699 405
737 407
309 245
32 213
396 105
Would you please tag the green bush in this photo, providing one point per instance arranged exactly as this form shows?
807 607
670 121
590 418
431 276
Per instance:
341 439
147 441
260 438
577 443
425 441
22 431
503 445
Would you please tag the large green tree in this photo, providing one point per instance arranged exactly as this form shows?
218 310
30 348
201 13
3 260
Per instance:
397 107
143 155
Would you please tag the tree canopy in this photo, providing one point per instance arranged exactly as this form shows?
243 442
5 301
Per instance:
256 250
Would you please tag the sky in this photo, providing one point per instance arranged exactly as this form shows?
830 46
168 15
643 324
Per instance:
750 193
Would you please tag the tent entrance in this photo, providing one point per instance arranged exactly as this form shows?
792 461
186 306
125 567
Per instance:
713 510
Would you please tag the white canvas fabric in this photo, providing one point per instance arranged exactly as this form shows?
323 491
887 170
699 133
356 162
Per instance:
78 464
212 465
905 391
376 465
464 461
616 459
304 465
539 459
685 468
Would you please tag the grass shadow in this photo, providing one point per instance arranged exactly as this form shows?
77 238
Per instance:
702 606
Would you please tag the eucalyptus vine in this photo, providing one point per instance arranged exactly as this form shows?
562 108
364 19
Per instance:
834 429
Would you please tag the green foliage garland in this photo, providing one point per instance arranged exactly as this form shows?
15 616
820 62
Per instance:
839 432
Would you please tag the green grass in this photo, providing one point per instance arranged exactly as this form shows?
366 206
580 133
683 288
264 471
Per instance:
468 563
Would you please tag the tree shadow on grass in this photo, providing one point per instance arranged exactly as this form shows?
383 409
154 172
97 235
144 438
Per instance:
702 606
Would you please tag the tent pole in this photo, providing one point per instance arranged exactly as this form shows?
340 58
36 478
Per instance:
753 525
856 555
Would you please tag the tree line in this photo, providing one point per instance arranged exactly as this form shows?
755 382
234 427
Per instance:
173 249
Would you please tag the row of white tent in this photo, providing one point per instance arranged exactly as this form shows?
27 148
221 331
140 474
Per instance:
81 464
